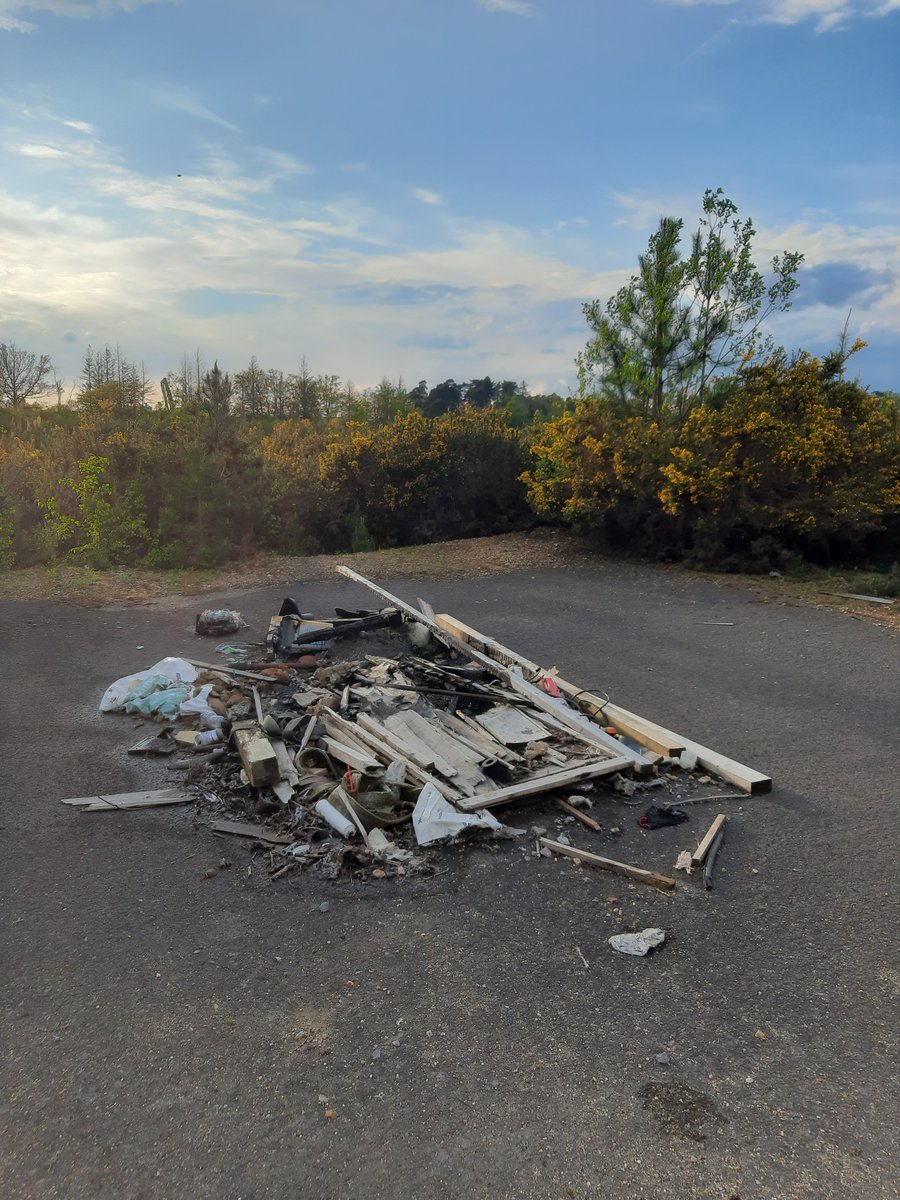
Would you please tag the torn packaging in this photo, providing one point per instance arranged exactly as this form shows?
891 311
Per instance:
434 819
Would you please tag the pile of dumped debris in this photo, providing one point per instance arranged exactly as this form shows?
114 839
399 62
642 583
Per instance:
357 764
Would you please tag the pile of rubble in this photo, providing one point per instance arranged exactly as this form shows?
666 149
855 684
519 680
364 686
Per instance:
355 743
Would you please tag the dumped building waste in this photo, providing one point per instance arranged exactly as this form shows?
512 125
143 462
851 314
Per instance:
353 745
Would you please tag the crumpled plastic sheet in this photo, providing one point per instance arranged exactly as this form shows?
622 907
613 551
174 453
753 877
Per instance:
435 818
171 672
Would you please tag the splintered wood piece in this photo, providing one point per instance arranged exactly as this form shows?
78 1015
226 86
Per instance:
709 837
223 669
638 874
579 815
112 801
350 756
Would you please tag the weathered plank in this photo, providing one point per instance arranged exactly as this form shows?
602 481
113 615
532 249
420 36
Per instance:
113 801
549 782
638 874
579 815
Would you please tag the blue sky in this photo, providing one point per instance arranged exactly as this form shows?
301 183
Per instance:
429 188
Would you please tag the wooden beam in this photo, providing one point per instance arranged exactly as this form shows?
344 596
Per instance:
709 837
647 733
635 727
536 784
663 882
257 754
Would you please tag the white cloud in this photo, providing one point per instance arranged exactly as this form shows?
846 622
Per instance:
38 150
521 8
81 9
427 197
828 15
14 25
80 126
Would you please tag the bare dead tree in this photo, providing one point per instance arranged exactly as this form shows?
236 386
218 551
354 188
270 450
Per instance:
22 374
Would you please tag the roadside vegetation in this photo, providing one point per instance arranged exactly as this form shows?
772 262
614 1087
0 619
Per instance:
691 438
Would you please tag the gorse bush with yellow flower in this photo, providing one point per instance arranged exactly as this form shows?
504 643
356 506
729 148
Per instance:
791 460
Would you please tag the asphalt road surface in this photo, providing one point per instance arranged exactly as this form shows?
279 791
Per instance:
168 1035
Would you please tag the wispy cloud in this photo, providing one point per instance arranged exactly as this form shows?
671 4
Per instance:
79 9
427 196
80 126
183 100
520 8
828 15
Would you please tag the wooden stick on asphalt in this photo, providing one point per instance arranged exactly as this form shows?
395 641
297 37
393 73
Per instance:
579 815
703 849
663 882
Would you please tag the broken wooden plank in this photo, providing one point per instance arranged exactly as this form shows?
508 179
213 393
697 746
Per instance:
286 768
536 784
579 815
709 837
112 801
638 874
401 747
350 756
403 728
390 753
259 833
858 596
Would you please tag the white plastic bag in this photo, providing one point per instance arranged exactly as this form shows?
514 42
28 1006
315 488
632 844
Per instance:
198 705
176 670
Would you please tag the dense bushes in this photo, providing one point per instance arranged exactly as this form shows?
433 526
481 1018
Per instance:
195 486
792 461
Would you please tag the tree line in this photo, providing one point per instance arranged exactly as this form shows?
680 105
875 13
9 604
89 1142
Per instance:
691 437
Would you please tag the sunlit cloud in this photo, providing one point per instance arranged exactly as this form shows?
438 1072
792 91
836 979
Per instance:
519 8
